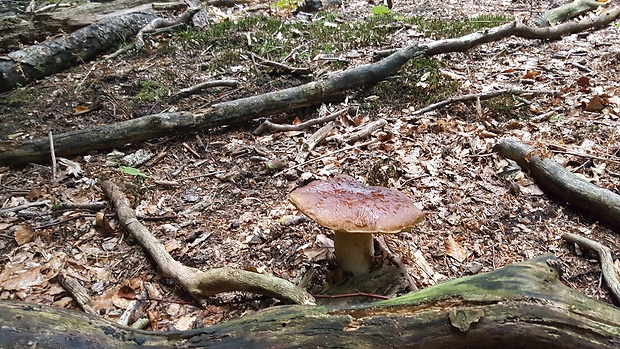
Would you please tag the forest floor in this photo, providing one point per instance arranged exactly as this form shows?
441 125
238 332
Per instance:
226 206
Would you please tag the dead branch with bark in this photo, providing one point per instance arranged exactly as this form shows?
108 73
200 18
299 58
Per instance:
241 110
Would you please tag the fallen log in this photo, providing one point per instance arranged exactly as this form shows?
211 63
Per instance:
602 203
519 306
166 124
35 62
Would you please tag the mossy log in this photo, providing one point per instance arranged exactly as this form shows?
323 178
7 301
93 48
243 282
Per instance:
519 306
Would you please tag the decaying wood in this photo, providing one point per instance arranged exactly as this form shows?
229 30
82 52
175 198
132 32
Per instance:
604 255
34 62
22 29
519 306
198 283
602 203
317 137
152 126
77 291
568 11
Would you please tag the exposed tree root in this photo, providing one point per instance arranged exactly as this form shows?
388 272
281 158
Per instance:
199 283
604 256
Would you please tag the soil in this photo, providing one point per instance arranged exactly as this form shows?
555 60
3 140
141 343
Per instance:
228 208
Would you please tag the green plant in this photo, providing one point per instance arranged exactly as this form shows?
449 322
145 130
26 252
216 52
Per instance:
381 10
383 170
504 107
151 91
285 5
132 171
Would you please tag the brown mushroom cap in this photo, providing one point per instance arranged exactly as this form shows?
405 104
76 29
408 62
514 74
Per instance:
344 204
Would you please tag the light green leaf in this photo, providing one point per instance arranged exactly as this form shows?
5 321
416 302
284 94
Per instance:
381 10
132 171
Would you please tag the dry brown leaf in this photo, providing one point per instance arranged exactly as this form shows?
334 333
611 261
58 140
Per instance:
531 74
454 250
127 292
595 104
583 81
24 234
172 245
23 281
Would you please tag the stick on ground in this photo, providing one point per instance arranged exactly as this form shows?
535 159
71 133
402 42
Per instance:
602 203
604 256
199 283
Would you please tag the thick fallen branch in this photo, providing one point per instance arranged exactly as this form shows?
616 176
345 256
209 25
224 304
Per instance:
550 175
519 306
198 283
49 57
152 126
604 256
568 11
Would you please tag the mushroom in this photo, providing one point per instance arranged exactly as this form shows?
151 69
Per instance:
355 211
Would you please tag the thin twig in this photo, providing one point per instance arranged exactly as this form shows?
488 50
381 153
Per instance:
585 156
299 127
53 154
286 68
397 261
201 86
485 95
604 255
90 215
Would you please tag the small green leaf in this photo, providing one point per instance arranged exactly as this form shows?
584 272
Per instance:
132 171
381 10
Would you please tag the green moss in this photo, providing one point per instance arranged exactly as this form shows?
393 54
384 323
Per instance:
504 107
151 91
18 97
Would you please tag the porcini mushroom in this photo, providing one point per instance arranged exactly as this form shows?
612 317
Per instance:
355 211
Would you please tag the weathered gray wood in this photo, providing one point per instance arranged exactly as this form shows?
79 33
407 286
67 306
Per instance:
49 57
519 306
600 202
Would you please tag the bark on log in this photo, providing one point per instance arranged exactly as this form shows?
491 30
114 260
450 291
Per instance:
19 29
152 126
602 203
519 306
49 57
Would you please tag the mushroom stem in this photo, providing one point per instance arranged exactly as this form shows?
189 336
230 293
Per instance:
354 251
